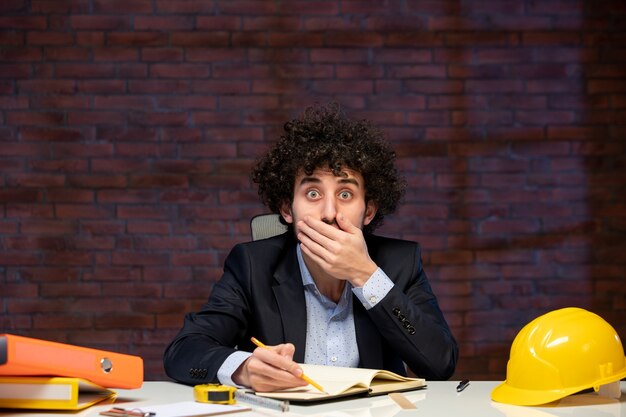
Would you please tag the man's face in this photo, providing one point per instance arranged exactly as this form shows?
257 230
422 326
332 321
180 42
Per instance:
322 196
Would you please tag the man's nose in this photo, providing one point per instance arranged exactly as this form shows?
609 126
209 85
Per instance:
329 211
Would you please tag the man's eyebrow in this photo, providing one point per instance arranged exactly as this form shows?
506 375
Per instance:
306 180
349 181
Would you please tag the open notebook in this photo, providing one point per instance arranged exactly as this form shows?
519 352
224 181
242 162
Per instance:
341 382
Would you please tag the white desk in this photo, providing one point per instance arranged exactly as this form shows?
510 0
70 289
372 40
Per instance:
438 399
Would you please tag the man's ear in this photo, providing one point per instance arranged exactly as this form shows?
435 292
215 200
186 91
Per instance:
285 211
370 211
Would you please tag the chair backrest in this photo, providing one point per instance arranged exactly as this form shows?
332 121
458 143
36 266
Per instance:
266 225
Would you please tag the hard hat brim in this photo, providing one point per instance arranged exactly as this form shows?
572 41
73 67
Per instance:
507 394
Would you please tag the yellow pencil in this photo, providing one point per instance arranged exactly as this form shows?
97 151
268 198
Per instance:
303 376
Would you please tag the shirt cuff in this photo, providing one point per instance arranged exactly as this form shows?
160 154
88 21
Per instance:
230 365
374 290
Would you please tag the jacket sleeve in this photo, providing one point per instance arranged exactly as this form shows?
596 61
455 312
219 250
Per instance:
410 320
209 336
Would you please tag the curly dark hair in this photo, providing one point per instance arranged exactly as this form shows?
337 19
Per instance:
323 137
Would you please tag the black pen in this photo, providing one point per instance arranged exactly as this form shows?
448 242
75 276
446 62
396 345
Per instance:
462 385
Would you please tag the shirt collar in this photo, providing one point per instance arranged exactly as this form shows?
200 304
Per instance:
309 283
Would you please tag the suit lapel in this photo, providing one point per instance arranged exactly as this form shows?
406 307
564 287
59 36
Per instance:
289 294
367 335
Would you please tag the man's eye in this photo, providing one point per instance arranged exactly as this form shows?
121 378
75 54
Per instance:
313 194
344 195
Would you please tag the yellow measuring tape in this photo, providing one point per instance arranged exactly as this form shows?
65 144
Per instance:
224 394
214 393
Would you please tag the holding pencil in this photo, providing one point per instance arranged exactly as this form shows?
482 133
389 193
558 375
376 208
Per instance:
303 376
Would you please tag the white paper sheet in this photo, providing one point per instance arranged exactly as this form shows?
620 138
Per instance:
193 408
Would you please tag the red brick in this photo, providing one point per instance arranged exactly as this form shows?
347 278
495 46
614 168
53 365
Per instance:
98 22
97 181
197 39
82 71
90 38
59 102
115 54
21 291
160 86
414 39
189 291
510 226
495 86
179 71
606 86
102 227
166 274
163 54
23 22
122 6
14 71
142 212
138 149
337 55
123 135
481 39
184 6
158 118
20 195
478 117
68 258
157 181
163 22
186 135
82 211
21 54
96 118
62 321
132 70
556 8
285 40
417 71
101 86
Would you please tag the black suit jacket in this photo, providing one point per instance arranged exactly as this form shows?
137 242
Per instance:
261 294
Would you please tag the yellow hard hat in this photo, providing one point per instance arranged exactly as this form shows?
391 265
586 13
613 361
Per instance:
560 353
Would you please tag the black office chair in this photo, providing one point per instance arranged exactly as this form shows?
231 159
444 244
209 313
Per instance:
266 225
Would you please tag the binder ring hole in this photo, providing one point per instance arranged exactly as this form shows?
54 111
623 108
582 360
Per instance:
106 365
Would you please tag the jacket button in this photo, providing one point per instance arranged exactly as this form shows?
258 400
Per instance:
411 330
396 311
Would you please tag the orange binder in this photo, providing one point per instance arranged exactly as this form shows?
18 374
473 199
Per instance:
21 355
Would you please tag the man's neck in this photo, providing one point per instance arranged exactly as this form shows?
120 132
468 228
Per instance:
329 286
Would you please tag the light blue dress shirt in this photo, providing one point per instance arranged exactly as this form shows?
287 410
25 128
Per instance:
330 333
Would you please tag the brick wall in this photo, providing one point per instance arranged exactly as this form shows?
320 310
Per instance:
127 130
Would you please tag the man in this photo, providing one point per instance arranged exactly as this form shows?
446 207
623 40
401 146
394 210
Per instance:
328 291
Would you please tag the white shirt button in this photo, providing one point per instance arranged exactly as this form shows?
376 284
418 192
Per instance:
373 300
333 359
